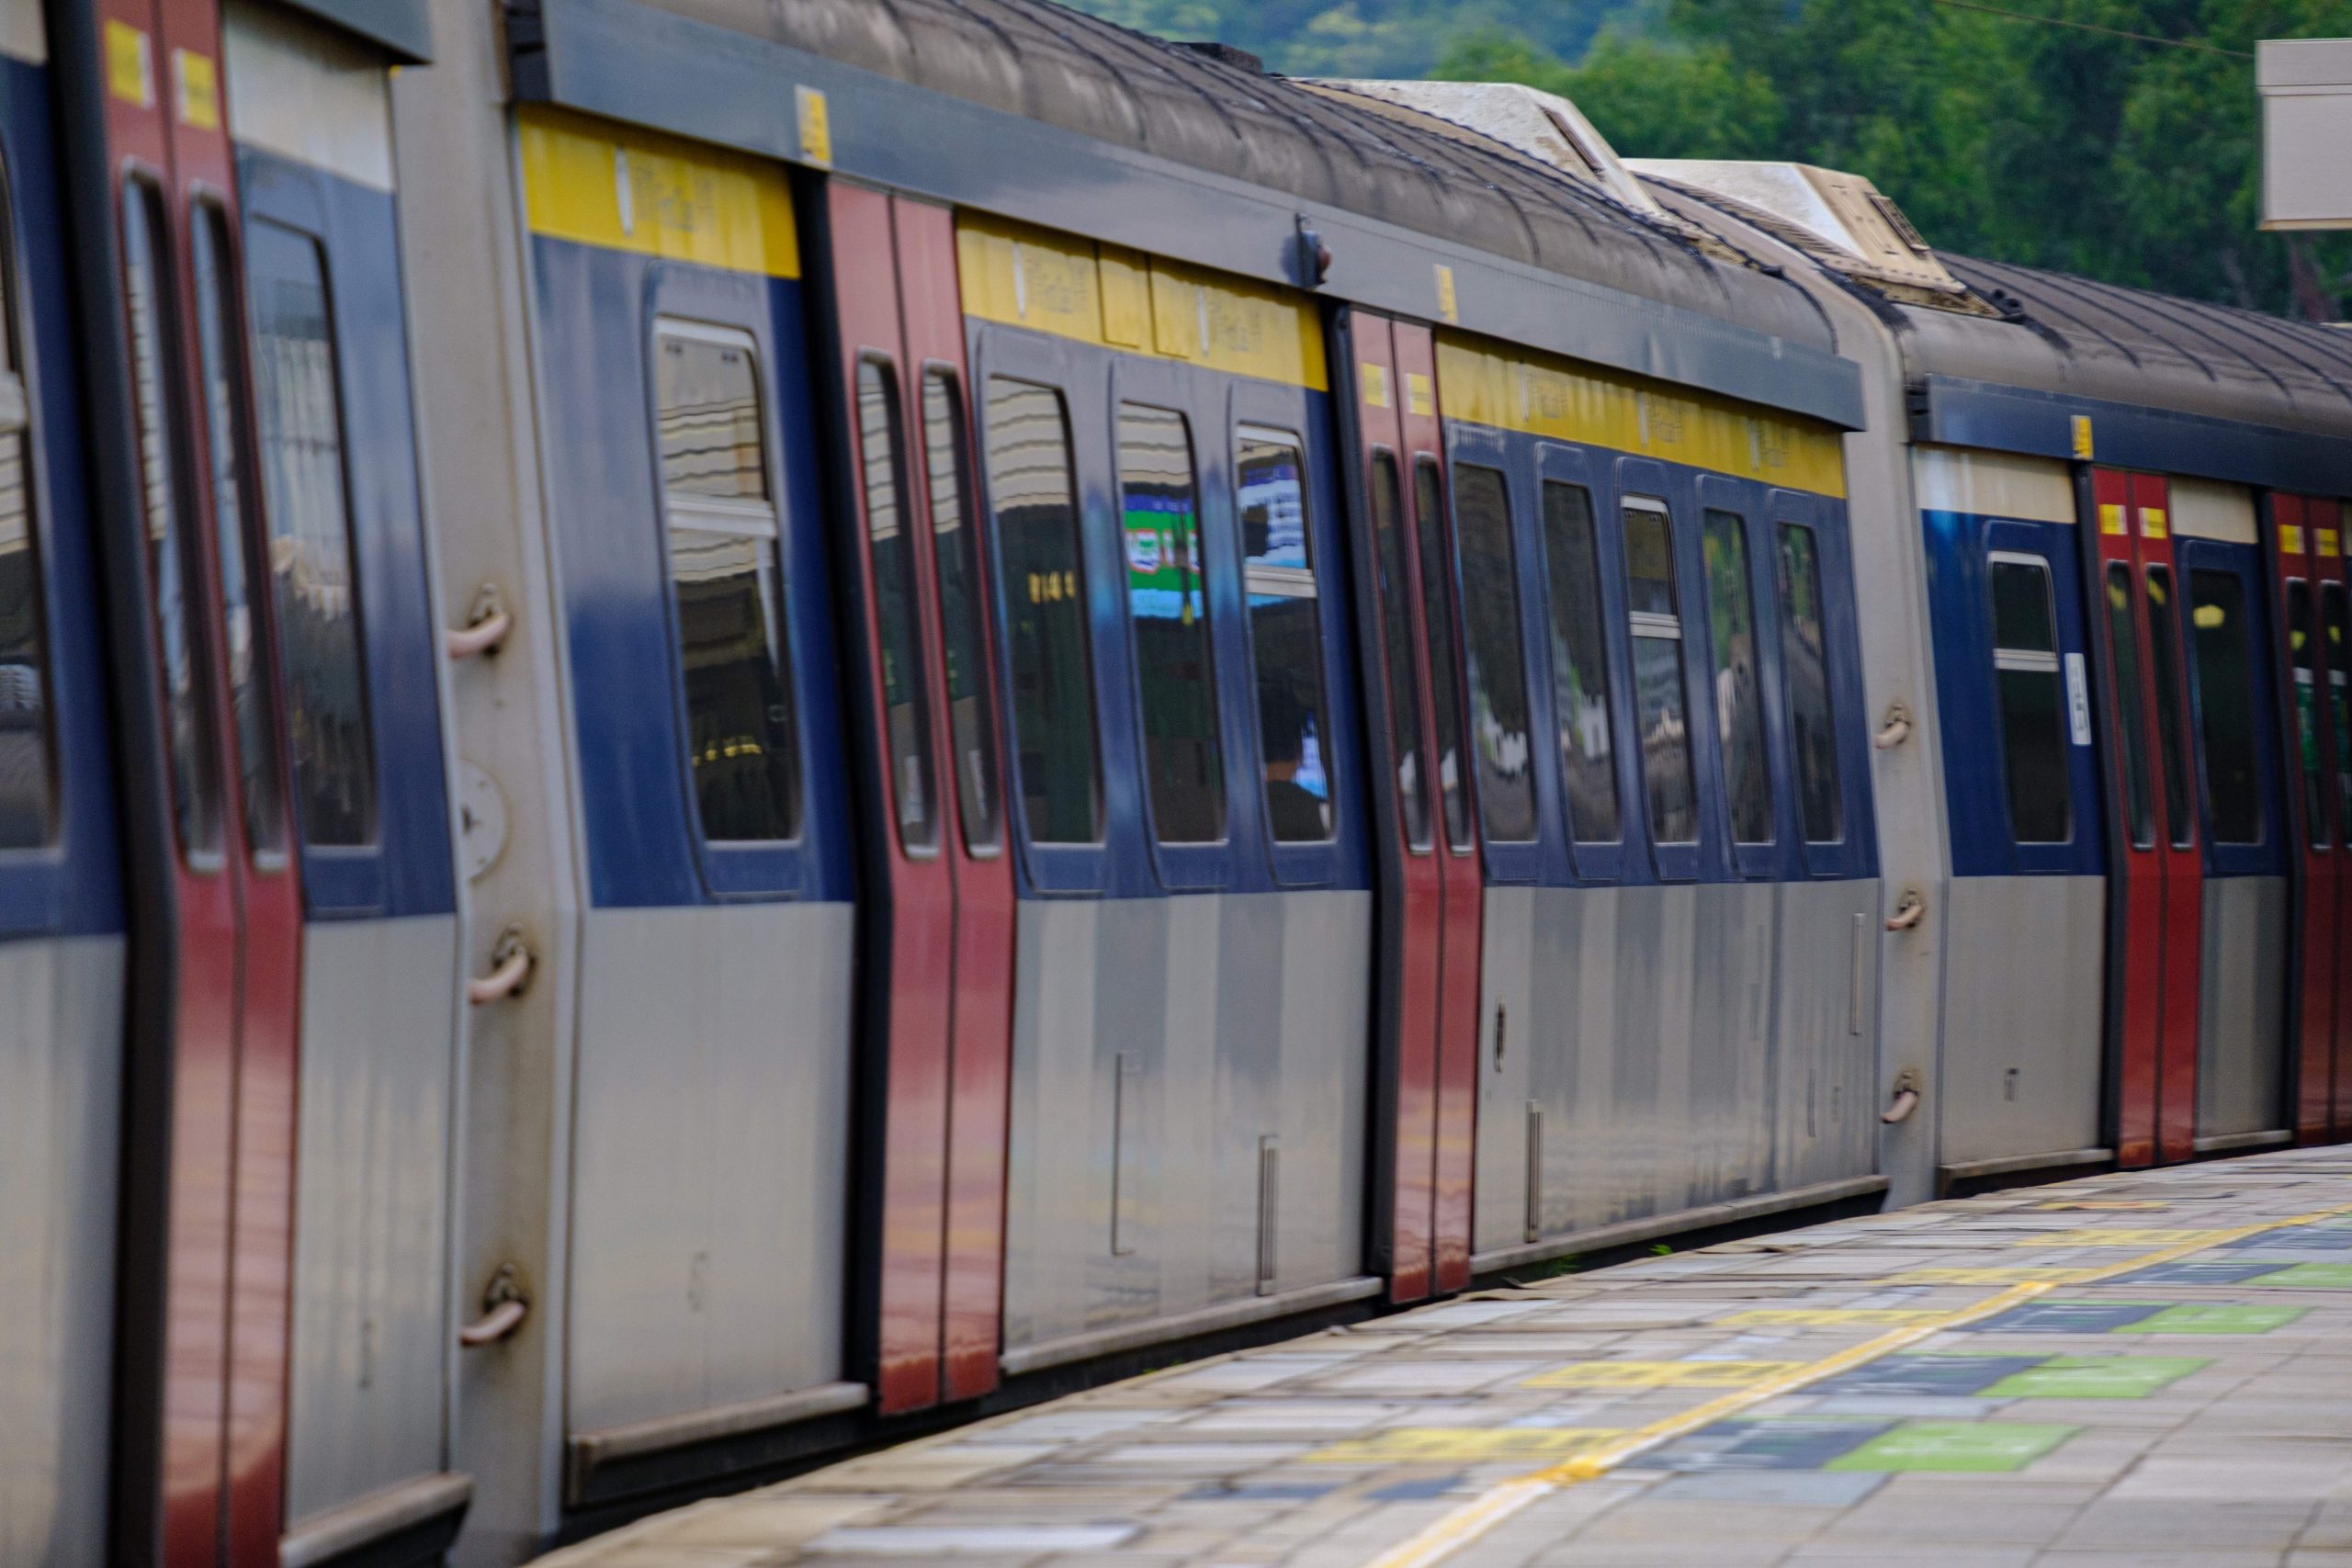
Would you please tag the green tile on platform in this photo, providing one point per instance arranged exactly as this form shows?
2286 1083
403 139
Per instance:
2188 1319
2312 1276
1955 1446
2094 1377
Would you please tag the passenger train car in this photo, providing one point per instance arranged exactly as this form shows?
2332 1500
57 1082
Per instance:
726 729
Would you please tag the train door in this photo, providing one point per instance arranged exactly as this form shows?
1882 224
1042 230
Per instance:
2309 669
62 936
2155 895
201 1403
2331 563
344 581
938 915
1431 885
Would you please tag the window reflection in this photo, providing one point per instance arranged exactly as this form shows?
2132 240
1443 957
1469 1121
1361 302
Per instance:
1285 635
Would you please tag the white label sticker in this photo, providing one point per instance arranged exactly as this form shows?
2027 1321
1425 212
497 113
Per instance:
2078 699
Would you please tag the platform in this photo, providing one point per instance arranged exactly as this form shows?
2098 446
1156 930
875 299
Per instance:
2134 1370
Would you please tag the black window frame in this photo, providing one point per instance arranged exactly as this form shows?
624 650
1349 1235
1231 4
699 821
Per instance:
978 771
1718 521
1179 868
2240 704
1596 608
1641 626
1245 431
1800 763
2022 660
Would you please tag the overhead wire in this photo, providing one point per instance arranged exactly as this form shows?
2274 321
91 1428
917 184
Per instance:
2093 27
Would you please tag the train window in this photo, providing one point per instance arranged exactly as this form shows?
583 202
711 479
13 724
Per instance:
742 734
2340 690
1805 671
1396 642
2303 655
906 718
1580 664
2220 646
2172 733
1498 722
1285 635
179 631
1740 696
1169 608
312 556
1655 623
1044 575
256 723
1445 695
2124 650
2025 673
28 738
971 718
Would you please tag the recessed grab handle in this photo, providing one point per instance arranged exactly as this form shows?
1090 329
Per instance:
504 1306
511 963
486 626
1909 910
1895 730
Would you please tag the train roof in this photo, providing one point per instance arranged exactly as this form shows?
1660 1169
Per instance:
1322 149
2010 356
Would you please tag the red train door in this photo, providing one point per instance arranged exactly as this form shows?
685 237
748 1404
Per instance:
1431 879
2307 672
202 1405
2155 867
2333 625
939 897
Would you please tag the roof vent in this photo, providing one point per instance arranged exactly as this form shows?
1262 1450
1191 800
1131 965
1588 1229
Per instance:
1542 126
1225 54
1840 220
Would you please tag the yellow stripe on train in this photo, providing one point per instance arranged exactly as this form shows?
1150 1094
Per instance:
1510 390
1119 298
597 183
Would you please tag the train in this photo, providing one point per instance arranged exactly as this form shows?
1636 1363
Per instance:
730 726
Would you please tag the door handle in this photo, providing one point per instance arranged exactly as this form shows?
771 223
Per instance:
510 970
1895 730
1909 910
486 625
504 1305
1905 1100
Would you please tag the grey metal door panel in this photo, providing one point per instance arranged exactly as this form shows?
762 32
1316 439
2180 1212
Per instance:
60 1050
1726 1095
1507 985
371 1335
710 1157
2023 1051
1158 1045
2241 1035
1825 1032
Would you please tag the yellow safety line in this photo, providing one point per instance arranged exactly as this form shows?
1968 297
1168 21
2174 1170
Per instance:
1443 1537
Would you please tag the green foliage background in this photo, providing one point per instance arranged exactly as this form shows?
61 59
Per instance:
2044 145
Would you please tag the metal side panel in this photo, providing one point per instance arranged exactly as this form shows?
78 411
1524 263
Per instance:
1507 1069
60 1052
1161 1047
710 1157
2241 1035
1727 1093
371 1332
1824 1032
2023 1055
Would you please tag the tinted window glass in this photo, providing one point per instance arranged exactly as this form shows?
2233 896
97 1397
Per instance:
248 687
2303 655
2172 731
905 716
1580 664
145 277
2123 649
1046 626
2339 690
311 558
1168 604
1804 669
743 736
1498 726
1397 643
1445 694
971 718
28 741
2033 693
1285 635
2221 644
1656 626
1739 683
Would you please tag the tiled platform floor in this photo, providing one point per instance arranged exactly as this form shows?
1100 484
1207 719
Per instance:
2128 1370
